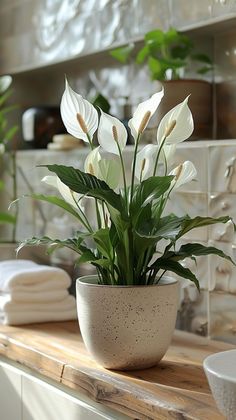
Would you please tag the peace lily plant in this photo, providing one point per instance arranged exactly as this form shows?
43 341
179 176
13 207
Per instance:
126 242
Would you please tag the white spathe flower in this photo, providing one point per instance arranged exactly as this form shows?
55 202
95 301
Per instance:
145 161
68 195
79 116
104 169
183 173
111 133
143 113
91 164
110 171
167 153
176 125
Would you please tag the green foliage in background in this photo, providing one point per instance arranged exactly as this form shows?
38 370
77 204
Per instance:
167 54
6 135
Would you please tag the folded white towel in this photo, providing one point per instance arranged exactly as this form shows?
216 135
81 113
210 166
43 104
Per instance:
24 275
7 305
30 317
49 296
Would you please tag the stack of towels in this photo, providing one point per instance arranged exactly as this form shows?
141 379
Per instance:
31 293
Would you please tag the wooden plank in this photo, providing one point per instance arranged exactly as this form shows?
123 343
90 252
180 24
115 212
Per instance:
175 389
140 399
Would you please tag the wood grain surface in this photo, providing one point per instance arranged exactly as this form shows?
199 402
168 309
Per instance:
175 389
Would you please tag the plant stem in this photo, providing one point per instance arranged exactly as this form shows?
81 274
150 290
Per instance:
123 173
158 155
85 222
14 187
96 201
98 214
165 161
133 167
104 214
90 141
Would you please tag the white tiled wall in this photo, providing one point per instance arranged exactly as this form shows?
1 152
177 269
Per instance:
213 311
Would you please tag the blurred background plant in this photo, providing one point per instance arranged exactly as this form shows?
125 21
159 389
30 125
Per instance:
9 170
8 163
101 102
168 55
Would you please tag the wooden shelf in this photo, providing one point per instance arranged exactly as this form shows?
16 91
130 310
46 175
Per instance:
205 27
211 26
175 388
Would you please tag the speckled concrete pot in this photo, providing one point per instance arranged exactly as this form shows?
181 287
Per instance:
127 327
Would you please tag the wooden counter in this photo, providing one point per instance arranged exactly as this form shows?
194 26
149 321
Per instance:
175 389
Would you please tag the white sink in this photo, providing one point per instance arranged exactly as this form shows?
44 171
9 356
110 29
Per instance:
220 369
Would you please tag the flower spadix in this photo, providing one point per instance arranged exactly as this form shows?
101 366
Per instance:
177 125
69 196
183 173
143 113
79 116
112 134
91 164
104 169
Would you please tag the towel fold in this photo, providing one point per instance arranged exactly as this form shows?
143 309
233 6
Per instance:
32 293
7 305
30 317
49 296
27 276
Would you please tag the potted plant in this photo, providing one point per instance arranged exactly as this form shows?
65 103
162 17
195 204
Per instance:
127 311
169 56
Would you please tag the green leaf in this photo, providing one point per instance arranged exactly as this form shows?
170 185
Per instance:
104 263
203 58
171 36
102 239
196 249
175 267
149 190
113 234
204 70
87 256
8 109
121 223
167 227
87 184
5 96
10 133
173 63
122 54
156 68
7 218
142 54
101 102
189 224
156 35
73 243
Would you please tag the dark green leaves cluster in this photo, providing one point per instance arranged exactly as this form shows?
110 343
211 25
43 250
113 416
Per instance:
127 250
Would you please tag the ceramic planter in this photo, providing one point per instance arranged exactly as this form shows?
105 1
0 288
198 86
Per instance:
200 103
127 327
